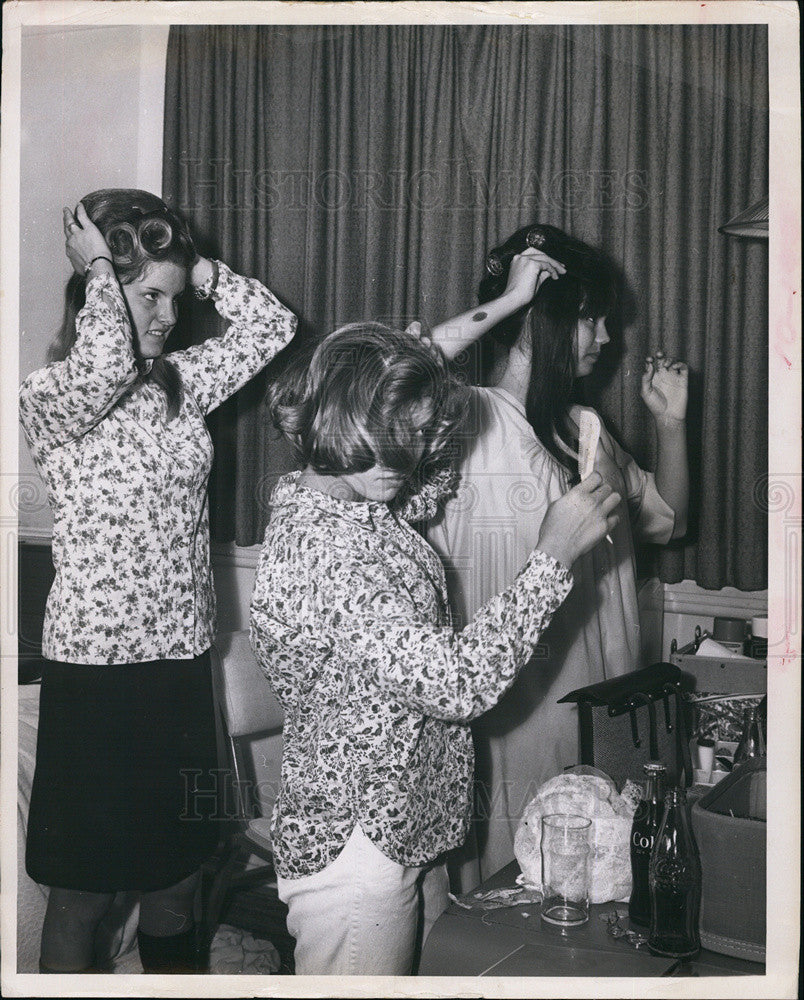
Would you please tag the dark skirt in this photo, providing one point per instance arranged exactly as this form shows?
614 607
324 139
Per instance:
121 750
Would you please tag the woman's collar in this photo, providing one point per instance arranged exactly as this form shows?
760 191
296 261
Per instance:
361 512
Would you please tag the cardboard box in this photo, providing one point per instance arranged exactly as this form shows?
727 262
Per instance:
740 675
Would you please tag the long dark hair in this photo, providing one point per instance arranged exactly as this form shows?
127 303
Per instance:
589 288
140 230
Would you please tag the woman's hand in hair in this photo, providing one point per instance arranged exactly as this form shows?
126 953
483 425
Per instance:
202 270
420 332
579 519
529 271
85 242
664 388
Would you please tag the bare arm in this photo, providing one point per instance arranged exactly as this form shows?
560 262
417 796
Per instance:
529 271
664 390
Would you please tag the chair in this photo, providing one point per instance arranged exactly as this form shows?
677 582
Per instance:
247 710
628 721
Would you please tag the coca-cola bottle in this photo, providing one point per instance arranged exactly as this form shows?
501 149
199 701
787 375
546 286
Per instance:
647 819
675 883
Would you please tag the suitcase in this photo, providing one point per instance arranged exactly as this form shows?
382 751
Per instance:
729 823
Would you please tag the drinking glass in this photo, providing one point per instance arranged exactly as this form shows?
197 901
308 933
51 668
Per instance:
565 869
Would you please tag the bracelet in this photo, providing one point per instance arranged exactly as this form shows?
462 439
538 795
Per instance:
99 257
208 287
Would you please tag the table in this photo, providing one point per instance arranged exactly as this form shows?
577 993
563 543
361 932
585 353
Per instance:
514 941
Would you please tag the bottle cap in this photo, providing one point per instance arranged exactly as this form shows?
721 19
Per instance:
655 767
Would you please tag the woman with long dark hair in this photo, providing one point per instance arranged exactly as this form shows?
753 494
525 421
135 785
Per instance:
520 455
116 429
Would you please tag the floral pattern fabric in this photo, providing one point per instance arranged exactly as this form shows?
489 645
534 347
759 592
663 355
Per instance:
350 621
127 487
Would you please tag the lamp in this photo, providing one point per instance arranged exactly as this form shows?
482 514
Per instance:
753 222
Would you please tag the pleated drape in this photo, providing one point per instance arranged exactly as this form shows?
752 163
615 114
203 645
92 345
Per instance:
363 172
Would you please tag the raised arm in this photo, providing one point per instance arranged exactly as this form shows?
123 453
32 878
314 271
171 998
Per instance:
664 391
360 615
68 398
367 623
259 327
529 271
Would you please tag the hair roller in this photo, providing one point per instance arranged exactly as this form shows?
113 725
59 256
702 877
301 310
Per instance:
123 242
155 235
536 238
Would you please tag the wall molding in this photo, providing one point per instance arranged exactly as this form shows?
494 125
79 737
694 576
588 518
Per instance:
35 536
687 598
229 554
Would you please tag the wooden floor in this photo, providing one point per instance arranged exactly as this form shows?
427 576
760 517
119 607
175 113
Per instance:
259 911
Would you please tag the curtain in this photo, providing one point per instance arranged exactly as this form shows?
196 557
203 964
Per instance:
363 172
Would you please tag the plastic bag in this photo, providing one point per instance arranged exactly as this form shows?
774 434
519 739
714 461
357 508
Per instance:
583 791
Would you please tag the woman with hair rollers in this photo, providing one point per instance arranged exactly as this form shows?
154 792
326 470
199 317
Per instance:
350 621
116 429
549 328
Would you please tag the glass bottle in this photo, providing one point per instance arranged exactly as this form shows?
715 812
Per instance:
647 818
675 883
751 742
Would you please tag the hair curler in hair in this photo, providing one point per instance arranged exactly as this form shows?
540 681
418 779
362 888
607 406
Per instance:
575 256
123 242
155 234
151 236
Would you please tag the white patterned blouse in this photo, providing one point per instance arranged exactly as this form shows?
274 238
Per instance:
350 621
127 487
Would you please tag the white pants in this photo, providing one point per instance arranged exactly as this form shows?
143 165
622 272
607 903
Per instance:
363 914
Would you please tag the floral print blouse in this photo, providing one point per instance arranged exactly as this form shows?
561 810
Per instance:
127 487
350 622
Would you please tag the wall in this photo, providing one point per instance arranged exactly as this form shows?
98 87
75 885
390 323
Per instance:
92 107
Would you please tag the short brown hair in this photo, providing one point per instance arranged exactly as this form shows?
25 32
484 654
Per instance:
366 396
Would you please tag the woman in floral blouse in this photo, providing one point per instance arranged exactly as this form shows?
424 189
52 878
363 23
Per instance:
350 621
116 429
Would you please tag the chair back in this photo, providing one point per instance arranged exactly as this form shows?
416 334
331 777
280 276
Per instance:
634 719
247 703
246 711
